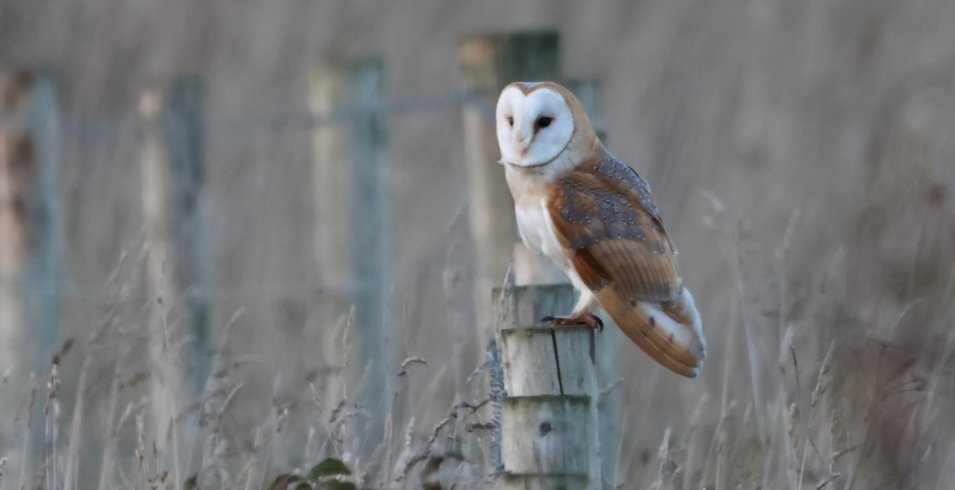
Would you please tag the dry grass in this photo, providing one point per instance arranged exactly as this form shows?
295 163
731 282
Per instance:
802 156
805 394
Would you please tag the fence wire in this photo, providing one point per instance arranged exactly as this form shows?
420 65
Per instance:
131 124
241 124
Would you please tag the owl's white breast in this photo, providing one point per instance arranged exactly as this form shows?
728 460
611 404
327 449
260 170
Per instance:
537 230
534 224
530 190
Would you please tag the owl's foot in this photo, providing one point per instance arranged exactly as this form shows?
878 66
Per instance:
589 319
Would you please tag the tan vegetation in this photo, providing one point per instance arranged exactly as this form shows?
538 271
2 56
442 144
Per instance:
802 154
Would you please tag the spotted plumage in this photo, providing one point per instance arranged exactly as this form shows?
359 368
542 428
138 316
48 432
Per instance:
600 212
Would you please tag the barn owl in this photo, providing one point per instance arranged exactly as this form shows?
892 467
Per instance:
594 217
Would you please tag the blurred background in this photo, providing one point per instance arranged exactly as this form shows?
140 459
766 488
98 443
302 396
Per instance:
240 237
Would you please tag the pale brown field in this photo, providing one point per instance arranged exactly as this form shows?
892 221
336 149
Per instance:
802 154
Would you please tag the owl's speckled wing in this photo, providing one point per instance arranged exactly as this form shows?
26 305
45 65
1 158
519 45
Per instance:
604 217
603 213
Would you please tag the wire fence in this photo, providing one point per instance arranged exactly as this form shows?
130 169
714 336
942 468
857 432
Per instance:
242 124
131 124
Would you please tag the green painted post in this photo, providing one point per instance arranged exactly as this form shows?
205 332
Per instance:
173 175
182 121
48 226
171 123
352 232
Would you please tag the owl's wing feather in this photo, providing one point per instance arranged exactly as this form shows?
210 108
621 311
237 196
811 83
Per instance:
604 216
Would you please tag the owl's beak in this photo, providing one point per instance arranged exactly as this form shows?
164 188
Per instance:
524 139
523 146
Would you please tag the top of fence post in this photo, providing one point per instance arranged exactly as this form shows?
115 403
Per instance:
549 419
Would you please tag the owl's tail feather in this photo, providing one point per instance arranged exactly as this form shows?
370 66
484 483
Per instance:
670 333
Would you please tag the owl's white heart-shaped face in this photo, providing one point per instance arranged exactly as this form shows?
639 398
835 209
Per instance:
533 126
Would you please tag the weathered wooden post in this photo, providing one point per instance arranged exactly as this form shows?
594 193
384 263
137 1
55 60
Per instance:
549 416
488 63
352 229
172 175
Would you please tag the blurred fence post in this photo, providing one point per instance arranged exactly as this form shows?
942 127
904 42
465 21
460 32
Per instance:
48 249
172 181
173 174
549 418
352 230
31 228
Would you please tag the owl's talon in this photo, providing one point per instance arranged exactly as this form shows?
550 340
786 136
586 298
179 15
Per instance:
588 319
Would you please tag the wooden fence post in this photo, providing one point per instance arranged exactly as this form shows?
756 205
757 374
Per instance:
172 176
31 217
549 416
352 229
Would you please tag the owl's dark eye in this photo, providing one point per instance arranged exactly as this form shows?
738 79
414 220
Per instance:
510 121
543 122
